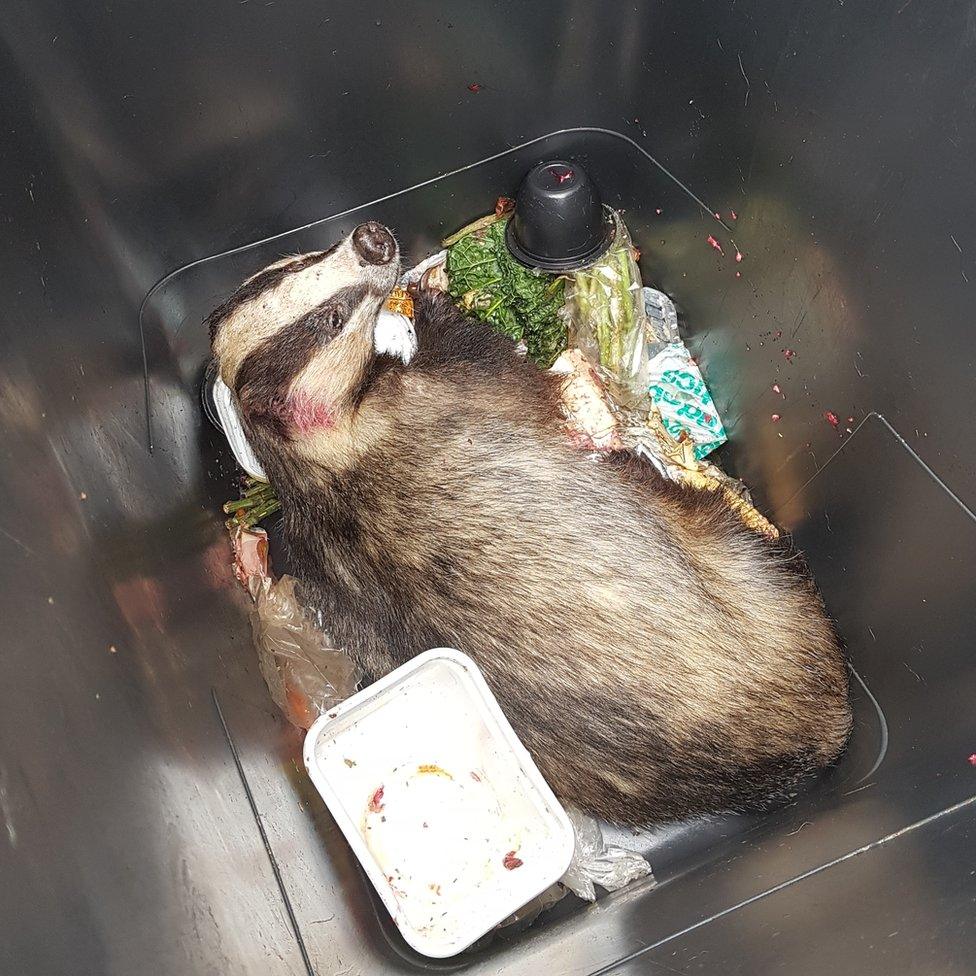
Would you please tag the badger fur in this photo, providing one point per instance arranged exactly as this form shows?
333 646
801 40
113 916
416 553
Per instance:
658 658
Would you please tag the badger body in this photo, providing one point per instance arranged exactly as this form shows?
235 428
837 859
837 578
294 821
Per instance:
657 657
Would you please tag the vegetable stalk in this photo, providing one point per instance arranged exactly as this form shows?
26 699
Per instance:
258 500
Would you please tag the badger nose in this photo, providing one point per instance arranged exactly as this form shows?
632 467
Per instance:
374 243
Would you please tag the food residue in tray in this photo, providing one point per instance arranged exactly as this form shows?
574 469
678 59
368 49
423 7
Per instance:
441 838
511 862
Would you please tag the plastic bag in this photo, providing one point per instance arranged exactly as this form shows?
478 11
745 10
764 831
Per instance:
596 863
662 318
607 318
304 673
529 912
676 385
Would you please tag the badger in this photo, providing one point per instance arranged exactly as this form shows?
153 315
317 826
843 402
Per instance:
659 659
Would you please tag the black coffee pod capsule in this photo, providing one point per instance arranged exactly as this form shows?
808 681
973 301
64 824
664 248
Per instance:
560 223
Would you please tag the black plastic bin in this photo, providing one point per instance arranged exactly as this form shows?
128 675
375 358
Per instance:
153 812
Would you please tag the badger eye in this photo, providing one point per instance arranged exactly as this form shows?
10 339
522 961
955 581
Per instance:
334 319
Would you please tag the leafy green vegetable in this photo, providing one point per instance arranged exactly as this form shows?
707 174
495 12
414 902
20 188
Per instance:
523 304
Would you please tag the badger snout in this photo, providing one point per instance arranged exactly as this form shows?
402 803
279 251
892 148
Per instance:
374 243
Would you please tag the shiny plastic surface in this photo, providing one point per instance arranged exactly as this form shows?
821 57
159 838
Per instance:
143 829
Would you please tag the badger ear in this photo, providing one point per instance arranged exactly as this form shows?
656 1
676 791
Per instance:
394 335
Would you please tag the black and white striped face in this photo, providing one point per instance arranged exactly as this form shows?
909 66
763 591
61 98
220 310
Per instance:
292 340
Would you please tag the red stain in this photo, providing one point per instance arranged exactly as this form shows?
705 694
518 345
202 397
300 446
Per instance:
790 355
715 244
561 175
474 87
376 801
733 215
775 418
307 415
511 862
831 418
738 256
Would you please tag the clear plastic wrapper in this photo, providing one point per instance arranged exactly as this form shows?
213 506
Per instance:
430 273
594 863
662 317
527 914
305 674
607 318
597 863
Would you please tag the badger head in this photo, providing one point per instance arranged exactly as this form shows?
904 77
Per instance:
295 342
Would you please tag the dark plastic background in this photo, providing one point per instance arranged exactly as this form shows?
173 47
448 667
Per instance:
141 832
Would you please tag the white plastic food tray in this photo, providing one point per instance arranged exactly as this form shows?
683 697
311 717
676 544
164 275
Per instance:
442 804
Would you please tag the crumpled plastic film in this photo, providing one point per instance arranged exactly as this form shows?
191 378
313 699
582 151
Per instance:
597 863
529 912
675 382
607 318
305 674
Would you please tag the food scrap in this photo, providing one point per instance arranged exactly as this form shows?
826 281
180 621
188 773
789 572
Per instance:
258 500
487 281
738 256
733 215
591 422
511 862
400 301
776 389
775 418
376 801
349 762
433 769
831 418
789 354
972 759
474 87
250 547
710 240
